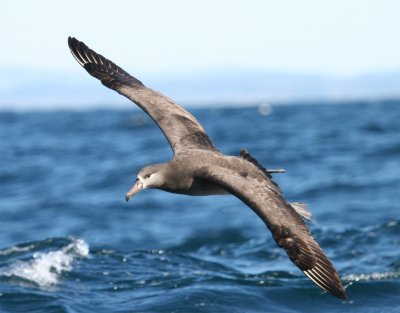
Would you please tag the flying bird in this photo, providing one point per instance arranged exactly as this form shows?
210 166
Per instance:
199 169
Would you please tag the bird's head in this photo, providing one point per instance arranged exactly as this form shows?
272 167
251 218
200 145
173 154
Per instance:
151 176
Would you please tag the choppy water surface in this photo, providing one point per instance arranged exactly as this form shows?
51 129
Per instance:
70 243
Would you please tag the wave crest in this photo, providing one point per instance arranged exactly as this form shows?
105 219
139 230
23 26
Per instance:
44 268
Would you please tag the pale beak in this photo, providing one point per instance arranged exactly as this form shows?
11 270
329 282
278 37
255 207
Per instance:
136 188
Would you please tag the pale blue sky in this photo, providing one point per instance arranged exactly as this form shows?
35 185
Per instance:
331 37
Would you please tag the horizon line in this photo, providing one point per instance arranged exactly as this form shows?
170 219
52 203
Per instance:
218 104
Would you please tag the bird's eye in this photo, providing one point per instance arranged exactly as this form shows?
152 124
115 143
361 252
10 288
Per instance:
147 175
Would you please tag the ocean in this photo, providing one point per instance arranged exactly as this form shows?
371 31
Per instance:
70 243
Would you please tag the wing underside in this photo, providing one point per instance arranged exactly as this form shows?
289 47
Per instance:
286 225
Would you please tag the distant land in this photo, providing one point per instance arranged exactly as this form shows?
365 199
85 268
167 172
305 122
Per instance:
22 89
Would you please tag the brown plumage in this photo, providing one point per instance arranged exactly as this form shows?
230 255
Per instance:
198 168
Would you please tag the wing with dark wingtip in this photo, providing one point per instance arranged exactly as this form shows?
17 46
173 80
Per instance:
287 227
181 128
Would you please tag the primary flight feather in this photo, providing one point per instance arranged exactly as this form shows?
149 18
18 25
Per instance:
198 168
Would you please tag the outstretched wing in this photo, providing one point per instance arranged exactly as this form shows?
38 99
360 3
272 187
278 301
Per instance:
287 227
181 128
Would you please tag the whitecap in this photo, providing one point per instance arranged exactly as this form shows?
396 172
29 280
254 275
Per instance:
15 249
45 268
265 108
372 276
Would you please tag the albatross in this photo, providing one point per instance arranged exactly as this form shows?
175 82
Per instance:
199 169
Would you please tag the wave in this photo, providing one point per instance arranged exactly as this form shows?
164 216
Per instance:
42 269
372 276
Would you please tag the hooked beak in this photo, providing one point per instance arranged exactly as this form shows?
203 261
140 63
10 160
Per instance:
136 188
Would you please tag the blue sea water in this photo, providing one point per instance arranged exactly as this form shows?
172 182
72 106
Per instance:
70 243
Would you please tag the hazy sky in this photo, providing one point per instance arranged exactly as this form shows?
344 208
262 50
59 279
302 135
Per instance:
336 37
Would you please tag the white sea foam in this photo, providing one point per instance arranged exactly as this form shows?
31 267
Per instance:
265 108
11 250
372 276
45 268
